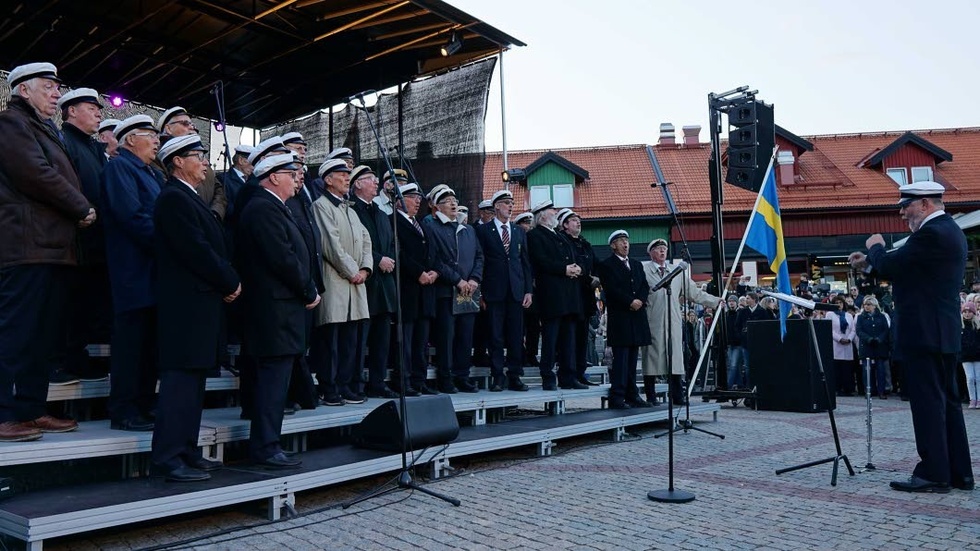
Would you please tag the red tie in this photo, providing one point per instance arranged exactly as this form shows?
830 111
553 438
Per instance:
505 237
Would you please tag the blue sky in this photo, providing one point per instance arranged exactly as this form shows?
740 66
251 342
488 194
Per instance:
609 72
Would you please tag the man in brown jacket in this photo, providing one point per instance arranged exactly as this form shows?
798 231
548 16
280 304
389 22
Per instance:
41 204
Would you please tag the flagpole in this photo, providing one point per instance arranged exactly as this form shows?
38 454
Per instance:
731 274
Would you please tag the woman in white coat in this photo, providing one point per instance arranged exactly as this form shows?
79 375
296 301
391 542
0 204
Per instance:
843 330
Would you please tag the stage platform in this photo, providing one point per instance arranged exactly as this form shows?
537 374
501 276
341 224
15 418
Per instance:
36 516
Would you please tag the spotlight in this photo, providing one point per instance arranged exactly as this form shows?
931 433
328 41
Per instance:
514 175
451 47
219 126
116 101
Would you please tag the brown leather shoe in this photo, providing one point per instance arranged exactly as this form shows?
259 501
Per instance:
12 431
51 424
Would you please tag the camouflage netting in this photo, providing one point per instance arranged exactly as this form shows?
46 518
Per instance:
128 109
443 120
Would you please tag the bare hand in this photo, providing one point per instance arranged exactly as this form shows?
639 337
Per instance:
387 265
463 287
313 304
875 239
88 220
572 270
233 296
636 304
473 286
526 303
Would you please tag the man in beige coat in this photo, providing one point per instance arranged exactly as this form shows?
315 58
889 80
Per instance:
347 263
654 357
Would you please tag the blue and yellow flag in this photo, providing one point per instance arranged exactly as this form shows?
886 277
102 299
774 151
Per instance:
766 236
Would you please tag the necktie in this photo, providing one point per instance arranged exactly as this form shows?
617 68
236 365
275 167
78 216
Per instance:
418 228
626 262
505 237
662 270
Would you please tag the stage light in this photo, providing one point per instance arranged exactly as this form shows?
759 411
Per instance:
116 101
219 126
451 47
513 175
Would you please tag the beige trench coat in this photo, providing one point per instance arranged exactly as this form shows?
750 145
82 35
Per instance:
346 249
654 357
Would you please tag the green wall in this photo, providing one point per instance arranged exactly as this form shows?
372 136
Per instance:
550 174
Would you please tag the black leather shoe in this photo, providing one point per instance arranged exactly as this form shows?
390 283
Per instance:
205 465
185 474
332 400
134 424
289 410
919 485
412 391
382 393
427 390
496 384
573 385
465 385
618 405
280 461
447 387
965 484
352 398
549 386
586 381
515 383
639 403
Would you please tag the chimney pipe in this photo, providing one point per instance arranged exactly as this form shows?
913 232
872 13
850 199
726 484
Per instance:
692 134
786 162
667 134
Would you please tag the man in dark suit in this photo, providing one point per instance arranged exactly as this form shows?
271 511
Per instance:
381 284
506 291
195 278
751 312
627 328
236 176
417 300
90 301
130 186
927 273
570 227
557 295
275 264
176 122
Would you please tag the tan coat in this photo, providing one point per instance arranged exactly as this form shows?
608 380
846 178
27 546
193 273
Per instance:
346 249
654 357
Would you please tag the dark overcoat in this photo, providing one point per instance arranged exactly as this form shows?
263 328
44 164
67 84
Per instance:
624 327
380 285
556 294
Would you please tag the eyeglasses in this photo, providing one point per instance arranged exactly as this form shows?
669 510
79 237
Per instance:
187 124
196 155
146 134
292 174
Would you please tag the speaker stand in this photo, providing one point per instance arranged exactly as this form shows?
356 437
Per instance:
836 460
404 480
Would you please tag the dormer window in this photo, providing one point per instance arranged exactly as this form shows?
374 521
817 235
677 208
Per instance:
554 177
922 174
899 175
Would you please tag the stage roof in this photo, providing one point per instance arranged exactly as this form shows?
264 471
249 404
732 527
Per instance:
277 60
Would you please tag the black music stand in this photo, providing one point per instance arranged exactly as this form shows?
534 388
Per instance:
836 459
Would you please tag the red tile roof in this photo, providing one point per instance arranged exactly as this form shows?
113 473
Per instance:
830 176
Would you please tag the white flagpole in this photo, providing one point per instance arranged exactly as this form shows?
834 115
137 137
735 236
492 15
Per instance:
731 274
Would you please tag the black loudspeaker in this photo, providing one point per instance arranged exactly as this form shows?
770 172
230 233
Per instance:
785 373
750 144
431 421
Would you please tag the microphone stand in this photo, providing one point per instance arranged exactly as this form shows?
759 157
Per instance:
219 96
404 480
670 495
686 425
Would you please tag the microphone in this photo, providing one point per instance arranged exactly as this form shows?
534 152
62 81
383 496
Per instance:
360 95
681 266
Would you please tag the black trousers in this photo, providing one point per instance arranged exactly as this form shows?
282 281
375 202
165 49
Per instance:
532 333
581 332
937 417
463 344
89 319
442 335
623 374
178 421
302 389
32 323
481 334
133 364
247 368
268 400
558 336
335 358
415 345
378 344
506 330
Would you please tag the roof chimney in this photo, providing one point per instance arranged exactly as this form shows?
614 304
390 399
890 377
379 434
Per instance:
786 167
667 134
692 134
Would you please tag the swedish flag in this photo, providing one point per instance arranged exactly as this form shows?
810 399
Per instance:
766 236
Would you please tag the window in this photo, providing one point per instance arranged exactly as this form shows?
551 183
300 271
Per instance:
921 174
563 195
898 174
539 193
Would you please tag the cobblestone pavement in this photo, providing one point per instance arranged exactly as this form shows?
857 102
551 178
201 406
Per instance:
592 494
